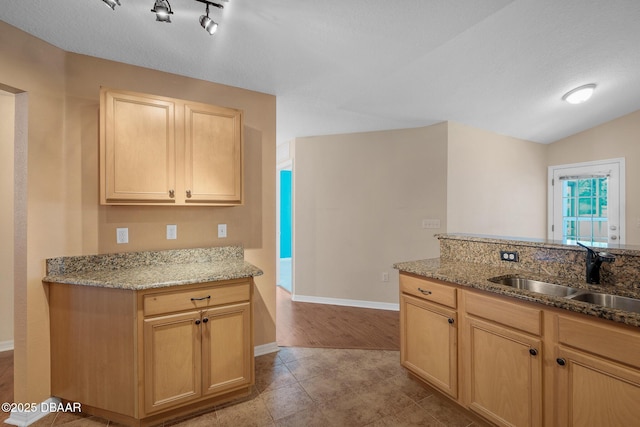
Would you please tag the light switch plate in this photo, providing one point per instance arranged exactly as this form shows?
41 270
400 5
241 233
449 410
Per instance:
122 235
172 231
430 223
222 231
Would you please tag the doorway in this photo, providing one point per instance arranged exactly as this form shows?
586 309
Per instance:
285 227
587 201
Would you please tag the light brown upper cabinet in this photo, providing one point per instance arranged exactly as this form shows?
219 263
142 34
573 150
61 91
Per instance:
164 151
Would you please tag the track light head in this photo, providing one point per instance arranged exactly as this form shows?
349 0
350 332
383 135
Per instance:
112 3
162 9
208 24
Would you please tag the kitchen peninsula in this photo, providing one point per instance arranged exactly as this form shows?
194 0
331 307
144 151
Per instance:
144 337
515 356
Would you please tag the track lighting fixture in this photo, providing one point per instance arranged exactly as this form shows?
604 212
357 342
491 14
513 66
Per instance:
207 23
112 3
162 9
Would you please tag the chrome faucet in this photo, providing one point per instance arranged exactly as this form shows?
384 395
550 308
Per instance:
594 260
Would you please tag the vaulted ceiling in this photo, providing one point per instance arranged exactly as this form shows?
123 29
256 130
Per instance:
363 65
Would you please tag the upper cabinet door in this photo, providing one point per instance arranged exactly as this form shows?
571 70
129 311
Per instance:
213 155
165 151
137 148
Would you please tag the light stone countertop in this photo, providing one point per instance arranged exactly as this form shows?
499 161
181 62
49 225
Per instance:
476 275
154 269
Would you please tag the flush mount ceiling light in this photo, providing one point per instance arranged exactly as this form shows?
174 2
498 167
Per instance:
112 3
162 9
579 94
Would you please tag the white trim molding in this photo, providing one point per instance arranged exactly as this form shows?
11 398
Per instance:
347 302
263 349
26 418
6 345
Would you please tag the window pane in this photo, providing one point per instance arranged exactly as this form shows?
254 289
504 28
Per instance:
585 206
584 209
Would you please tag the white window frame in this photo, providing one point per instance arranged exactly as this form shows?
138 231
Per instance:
596 165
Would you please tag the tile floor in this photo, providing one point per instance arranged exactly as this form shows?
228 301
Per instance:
306 387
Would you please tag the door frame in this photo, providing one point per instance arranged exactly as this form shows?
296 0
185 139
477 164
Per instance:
285 165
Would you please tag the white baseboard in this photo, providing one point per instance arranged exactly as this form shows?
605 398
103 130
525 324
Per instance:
6 345
260 350
347 302
24 418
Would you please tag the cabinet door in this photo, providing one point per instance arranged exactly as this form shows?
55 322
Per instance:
428 335
172 358
227 352
137 148
504 377
213 155
595 392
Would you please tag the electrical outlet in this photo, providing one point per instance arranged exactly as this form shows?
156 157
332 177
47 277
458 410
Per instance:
511 256
172 231
222 231
122 235
384 277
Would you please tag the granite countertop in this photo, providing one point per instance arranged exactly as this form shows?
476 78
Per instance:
476 275
147 270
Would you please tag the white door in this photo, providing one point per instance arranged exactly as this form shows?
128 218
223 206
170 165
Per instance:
586 202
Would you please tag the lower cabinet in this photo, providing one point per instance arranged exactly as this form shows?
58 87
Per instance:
141 357
193 354
597 372
429 345
516 363
504 378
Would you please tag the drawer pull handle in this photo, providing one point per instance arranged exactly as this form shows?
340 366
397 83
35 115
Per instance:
201 299
560 361
533 352
424 291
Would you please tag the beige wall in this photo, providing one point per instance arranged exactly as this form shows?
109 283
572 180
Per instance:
63 215
7 124
496 184
359 202
617 138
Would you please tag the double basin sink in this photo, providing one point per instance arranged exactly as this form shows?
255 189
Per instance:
610 301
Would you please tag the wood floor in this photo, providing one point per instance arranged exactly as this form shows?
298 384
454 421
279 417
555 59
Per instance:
330 326
6 380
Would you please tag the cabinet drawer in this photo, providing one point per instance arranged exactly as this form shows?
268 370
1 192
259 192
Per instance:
195 298
429 290
514 315
612 342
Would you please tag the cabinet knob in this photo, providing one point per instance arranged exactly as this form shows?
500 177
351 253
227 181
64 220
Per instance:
172 194
189 194
560 361
450 320
533 352
424 291
197 321
205 320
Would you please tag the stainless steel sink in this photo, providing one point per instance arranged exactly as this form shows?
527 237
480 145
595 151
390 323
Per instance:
536 286
611 301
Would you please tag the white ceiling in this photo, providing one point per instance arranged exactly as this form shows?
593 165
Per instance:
362 65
